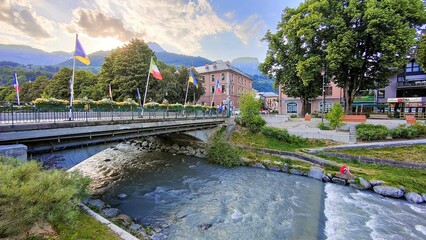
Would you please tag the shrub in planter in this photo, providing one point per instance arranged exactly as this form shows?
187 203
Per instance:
151 105
335 116
50 103
402 131
293 115
371 132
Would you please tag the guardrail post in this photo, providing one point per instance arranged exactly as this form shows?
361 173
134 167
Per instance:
12 114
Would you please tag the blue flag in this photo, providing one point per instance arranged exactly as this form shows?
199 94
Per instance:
79 53
193 79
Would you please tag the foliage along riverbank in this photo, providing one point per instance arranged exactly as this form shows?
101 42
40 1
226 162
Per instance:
37 203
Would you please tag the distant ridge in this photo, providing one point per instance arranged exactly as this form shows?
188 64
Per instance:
27 55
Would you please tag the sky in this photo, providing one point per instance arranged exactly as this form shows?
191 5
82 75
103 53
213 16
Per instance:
215 29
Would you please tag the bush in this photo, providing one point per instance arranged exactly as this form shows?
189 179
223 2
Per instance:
402 131
324 126
249 110
222 152
371 132
29 194
293 115
253 122
335 116
420 127
277 133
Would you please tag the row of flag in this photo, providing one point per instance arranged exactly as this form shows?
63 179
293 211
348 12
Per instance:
81 55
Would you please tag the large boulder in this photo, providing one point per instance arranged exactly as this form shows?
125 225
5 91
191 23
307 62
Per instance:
339 181
191 150
376 182
366 184
122 196
389 191
135 227
176 147
285 168
345 176
414 197
424 196
316 173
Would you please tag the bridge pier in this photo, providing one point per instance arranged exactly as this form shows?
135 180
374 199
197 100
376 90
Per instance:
16 150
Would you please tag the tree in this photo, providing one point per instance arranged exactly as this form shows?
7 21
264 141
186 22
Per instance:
126 69
294 58
368 41
249 112
335 116
421 53
362 43
38 87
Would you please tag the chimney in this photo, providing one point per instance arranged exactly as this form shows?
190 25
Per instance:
228 63
207 66
214 64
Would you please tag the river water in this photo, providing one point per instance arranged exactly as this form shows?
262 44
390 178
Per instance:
179 194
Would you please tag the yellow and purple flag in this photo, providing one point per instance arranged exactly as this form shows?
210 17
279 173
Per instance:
79 53
192 79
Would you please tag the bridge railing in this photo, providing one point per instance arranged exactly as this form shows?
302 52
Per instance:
11 114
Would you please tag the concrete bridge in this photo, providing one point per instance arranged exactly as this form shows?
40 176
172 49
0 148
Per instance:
57 136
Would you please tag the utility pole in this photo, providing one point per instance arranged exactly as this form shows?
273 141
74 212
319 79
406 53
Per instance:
323 70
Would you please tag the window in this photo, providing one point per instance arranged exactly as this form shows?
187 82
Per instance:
223 76
212 90
223 89
328 106
204 78
291 107
232 89
381 94
328 91
212 77
412 67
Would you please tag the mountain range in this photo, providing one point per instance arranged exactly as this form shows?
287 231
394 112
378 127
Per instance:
14 55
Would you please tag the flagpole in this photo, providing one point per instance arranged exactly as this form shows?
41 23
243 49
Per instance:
186 95
72 83
214 92
146 87
17 89
110 91
139 97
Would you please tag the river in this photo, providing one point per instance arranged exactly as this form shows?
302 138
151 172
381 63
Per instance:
179 194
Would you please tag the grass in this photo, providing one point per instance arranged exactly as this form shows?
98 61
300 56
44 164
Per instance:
258 140
414 154
85 228
411 179
258 156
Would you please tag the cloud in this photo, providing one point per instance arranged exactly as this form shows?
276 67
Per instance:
250 29
97 24
230 14
20 15
177 23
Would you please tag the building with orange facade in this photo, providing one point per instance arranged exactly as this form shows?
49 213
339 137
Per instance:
232 81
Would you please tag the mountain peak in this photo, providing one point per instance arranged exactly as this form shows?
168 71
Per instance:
155 47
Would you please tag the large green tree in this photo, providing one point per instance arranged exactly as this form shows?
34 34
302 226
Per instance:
368 41
362 43
295 55
127 69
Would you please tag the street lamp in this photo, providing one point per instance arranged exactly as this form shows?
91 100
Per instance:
323 70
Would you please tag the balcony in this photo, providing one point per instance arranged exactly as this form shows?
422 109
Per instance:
416 83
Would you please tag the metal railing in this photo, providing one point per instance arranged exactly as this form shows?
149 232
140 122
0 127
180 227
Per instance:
11 114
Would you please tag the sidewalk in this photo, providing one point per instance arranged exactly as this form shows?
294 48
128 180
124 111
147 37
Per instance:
309 129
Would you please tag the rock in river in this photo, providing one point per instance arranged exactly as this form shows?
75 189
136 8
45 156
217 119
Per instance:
389 191
414 197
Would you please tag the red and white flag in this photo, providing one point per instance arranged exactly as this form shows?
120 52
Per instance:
218 87
154 70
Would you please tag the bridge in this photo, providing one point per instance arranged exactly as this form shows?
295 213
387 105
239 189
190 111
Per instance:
52 136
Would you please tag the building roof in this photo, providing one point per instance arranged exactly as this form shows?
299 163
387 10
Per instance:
268 94
220 65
